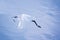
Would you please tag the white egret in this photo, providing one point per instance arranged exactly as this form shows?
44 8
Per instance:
24 17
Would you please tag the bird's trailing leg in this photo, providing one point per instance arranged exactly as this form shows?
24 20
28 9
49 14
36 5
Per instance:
36 23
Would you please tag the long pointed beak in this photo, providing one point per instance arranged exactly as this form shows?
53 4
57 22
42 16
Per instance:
13 20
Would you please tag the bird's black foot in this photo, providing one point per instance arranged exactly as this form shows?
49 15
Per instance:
39 26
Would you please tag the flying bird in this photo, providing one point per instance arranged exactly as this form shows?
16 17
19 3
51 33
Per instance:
15 17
